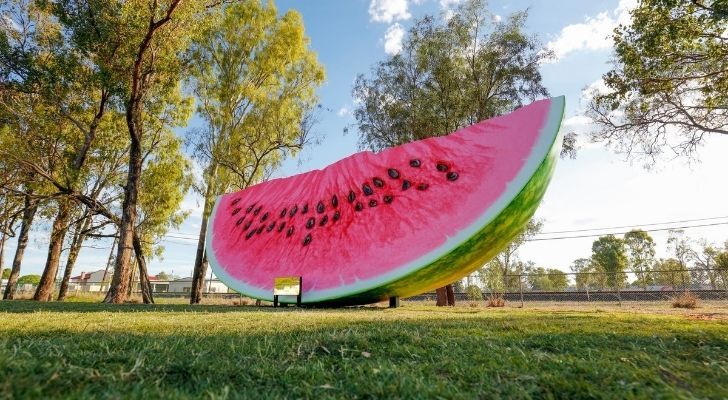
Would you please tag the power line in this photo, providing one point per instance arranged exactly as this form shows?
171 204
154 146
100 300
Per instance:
633 225
622 233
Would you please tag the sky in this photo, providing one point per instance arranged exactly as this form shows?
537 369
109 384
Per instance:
598 189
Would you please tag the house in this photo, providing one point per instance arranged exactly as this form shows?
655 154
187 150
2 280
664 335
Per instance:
90 281
184 285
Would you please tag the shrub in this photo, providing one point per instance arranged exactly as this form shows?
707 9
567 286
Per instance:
495 300
685 300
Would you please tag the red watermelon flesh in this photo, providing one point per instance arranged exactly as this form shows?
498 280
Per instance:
372 219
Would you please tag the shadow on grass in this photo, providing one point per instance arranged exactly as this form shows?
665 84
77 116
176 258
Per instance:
319 355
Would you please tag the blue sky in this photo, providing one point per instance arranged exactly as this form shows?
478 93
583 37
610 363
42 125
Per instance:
598 189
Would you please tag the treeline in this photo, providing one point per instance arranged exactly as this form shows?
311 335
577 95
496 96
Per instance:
90 95
692 263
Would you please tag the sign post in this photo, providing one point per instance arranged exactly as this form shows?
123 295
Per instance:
287 286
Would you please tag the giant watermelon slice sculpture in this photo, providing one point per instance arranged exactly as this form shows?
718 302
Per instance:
395 223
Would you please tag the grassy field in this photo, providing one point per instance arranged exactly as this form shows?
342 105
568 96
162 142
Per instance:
176 351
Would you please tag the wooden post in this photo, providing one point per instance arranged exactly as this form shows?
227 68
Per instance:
520 285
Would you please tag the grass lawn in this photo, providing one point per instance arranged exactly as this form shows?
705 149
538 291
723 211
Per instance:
176 351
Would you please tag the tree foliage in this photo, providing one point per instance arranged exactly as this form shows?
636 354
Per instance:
449 75
609 256
255 77
640 253
670 75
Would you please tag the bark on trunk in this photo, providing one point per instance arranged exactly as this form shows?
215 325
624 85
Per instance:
450 295
44 291
31 207
108 263
76 243
198 275
120 282
441 297
145 285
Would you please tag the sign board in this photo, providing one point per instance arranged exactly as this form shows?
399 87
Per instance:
287 286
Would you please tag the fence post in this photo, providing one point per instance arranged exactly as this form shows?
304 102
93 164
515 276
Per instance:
586 284
520 285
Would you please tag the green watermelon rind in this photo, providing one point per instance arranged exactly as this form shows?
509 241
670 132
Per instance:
459 255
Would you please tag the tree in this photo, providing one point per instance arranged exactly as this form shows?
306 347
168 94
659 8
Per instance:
670 75
584 277
679 244
29 280
705 260
449 75
547 279
506 264
640 253
608 255
670 272
255 76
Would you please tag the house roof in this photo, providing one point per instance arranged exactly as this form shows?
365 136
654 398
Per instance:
85 275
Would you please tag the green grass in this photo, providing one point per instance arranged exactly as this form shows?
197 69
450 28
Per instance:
177 351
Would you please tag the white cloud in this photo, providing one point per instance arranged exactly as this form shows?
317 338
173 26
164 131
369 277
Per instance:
343 111
447 6
389 11
592 34
393 39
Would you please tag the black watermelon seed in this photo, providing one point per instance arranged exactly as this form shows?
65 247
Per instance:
388 199
304 210
415 163
307 240
283 213
250 234
236 201
264 217
320 207
367 189
378 182
334 201
442 167
260 229
249 209
452 176
372 203
289 232
406 184
336 216
393 173
270 227
324 220
352 196
293 211
237 210
281 226
247 225
358 206
239 221
422 186
257 211
310 223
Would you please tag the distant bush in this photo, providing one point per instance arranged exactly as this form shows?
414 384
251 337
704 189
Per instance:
685 300
474 293
29 279
495 300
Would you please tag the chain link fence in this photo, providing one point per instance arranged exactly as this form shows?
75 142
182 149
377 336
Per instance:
552 286
557 286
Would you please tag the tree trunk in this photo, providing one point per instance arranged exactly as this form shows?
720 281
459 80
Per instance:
31 207
76 243
120 282
441 297
450 295
144 284
198 275
44 291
